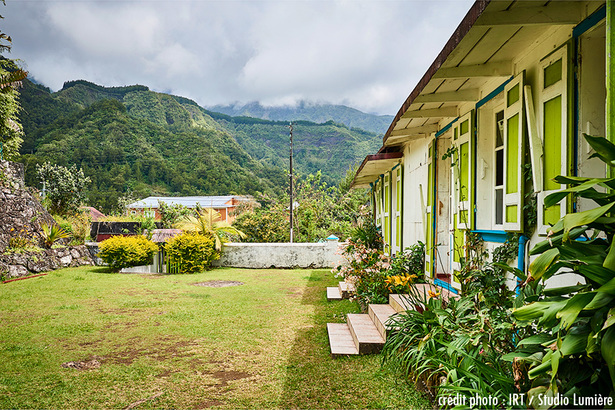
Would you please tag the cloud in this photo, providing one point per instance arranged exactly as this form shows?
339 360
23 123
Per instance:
365 53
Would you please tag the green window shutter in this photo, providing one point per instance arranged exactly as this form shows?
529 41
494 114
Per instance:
463 172
429 214
386 225
553 128
514 137
462 191
399 207
378 202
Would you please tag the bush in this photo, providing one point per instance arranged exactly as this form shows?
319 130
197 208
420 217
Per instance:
191 252
125 251
456 347
77 224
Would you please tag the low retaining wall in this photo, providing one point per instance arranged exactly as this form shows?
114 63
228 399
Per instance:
267 255
279 255
15 265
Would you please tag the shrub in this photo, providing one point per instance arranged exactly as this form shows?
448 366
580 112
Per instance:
77 224
456 347
409 262
191 252
125 251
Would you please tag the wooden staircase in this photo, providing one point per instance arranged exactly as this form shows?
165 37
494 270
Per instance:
343 290
366 333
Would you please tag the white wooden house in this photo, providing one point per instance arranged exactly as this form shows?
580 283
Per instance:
512 91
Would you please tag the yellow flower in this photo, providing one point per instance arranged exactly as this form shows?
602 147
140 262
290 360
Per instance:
433 294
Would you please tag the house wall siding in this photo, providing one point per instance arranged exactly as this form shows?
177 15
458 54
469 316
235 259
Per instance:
415 188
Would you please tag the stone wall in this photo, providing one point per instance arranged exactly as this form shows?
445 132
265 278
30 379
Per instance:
20 212
280 255
15 265
21 215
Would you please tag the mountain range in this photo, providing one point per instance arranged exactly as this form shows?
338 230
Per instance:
134 142
308 111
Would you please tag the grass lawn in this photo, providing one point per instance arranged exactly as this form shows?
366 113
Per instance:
154 341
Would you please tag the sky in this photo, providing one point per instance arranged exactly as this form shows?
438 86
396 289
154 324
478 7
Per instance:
367 54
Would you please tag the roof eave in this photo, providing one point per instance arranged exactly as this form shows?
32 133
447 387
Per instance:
462 29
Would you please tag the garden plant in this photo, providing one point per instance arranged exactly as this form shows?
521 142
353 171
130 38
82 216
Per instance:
125 251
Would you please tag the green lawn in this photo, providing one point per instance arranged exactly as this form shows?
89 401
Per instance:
162 342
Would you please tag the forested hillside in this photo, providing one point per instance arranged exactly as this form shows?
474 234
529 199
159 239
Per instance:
130 140
305 111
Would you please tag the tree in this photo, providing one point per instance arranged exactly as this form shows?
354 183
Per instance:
11 76
207 221
63 187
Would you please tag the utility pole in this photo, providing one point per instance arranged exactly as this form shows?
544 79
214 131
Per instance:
291 181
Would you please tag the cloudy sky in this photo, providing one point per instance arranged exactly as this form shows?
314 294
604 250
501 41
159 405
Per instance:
368 54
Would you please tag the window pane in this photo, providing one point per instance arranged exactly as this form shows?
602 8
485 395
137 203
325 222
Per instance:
464 160
512 163
499 129
499 206
553 141
499 167
553 73
464 127
512 96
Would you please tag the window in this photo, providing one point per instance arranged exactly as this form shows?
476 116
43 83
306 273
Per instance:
499 167
553 129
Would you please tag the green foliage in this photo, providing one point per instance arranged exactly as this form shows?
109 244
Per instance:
456 346
366 268
53 233
264 225
568 347
64 187
172 214
327 147
410 261
191 252
366 232
124 154
319 211
20 239
11 131
129 139
126 251
207 221
77 224
319 113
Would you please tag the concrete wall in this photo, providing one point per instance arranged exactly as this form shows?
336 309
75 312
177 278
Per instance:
279 255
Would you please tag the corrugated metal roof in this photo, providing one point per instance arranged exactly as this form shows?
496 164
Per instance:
217 202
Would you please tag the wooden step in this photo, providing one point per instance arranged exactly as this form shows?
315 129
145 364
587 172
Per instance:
347 290
333 293
341 341
399 302
365 334
379 315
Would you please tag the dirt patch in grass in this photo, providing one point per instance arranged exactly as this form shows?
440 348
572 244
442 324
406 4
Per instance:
218 283
226 376
209 403
82 365
159 351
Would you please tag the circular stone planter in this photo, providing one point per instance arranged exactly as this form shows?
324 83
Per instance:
218 283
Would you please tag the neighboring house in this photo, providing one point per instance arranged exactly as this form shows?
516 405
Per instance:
95 214
513 90
223 204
